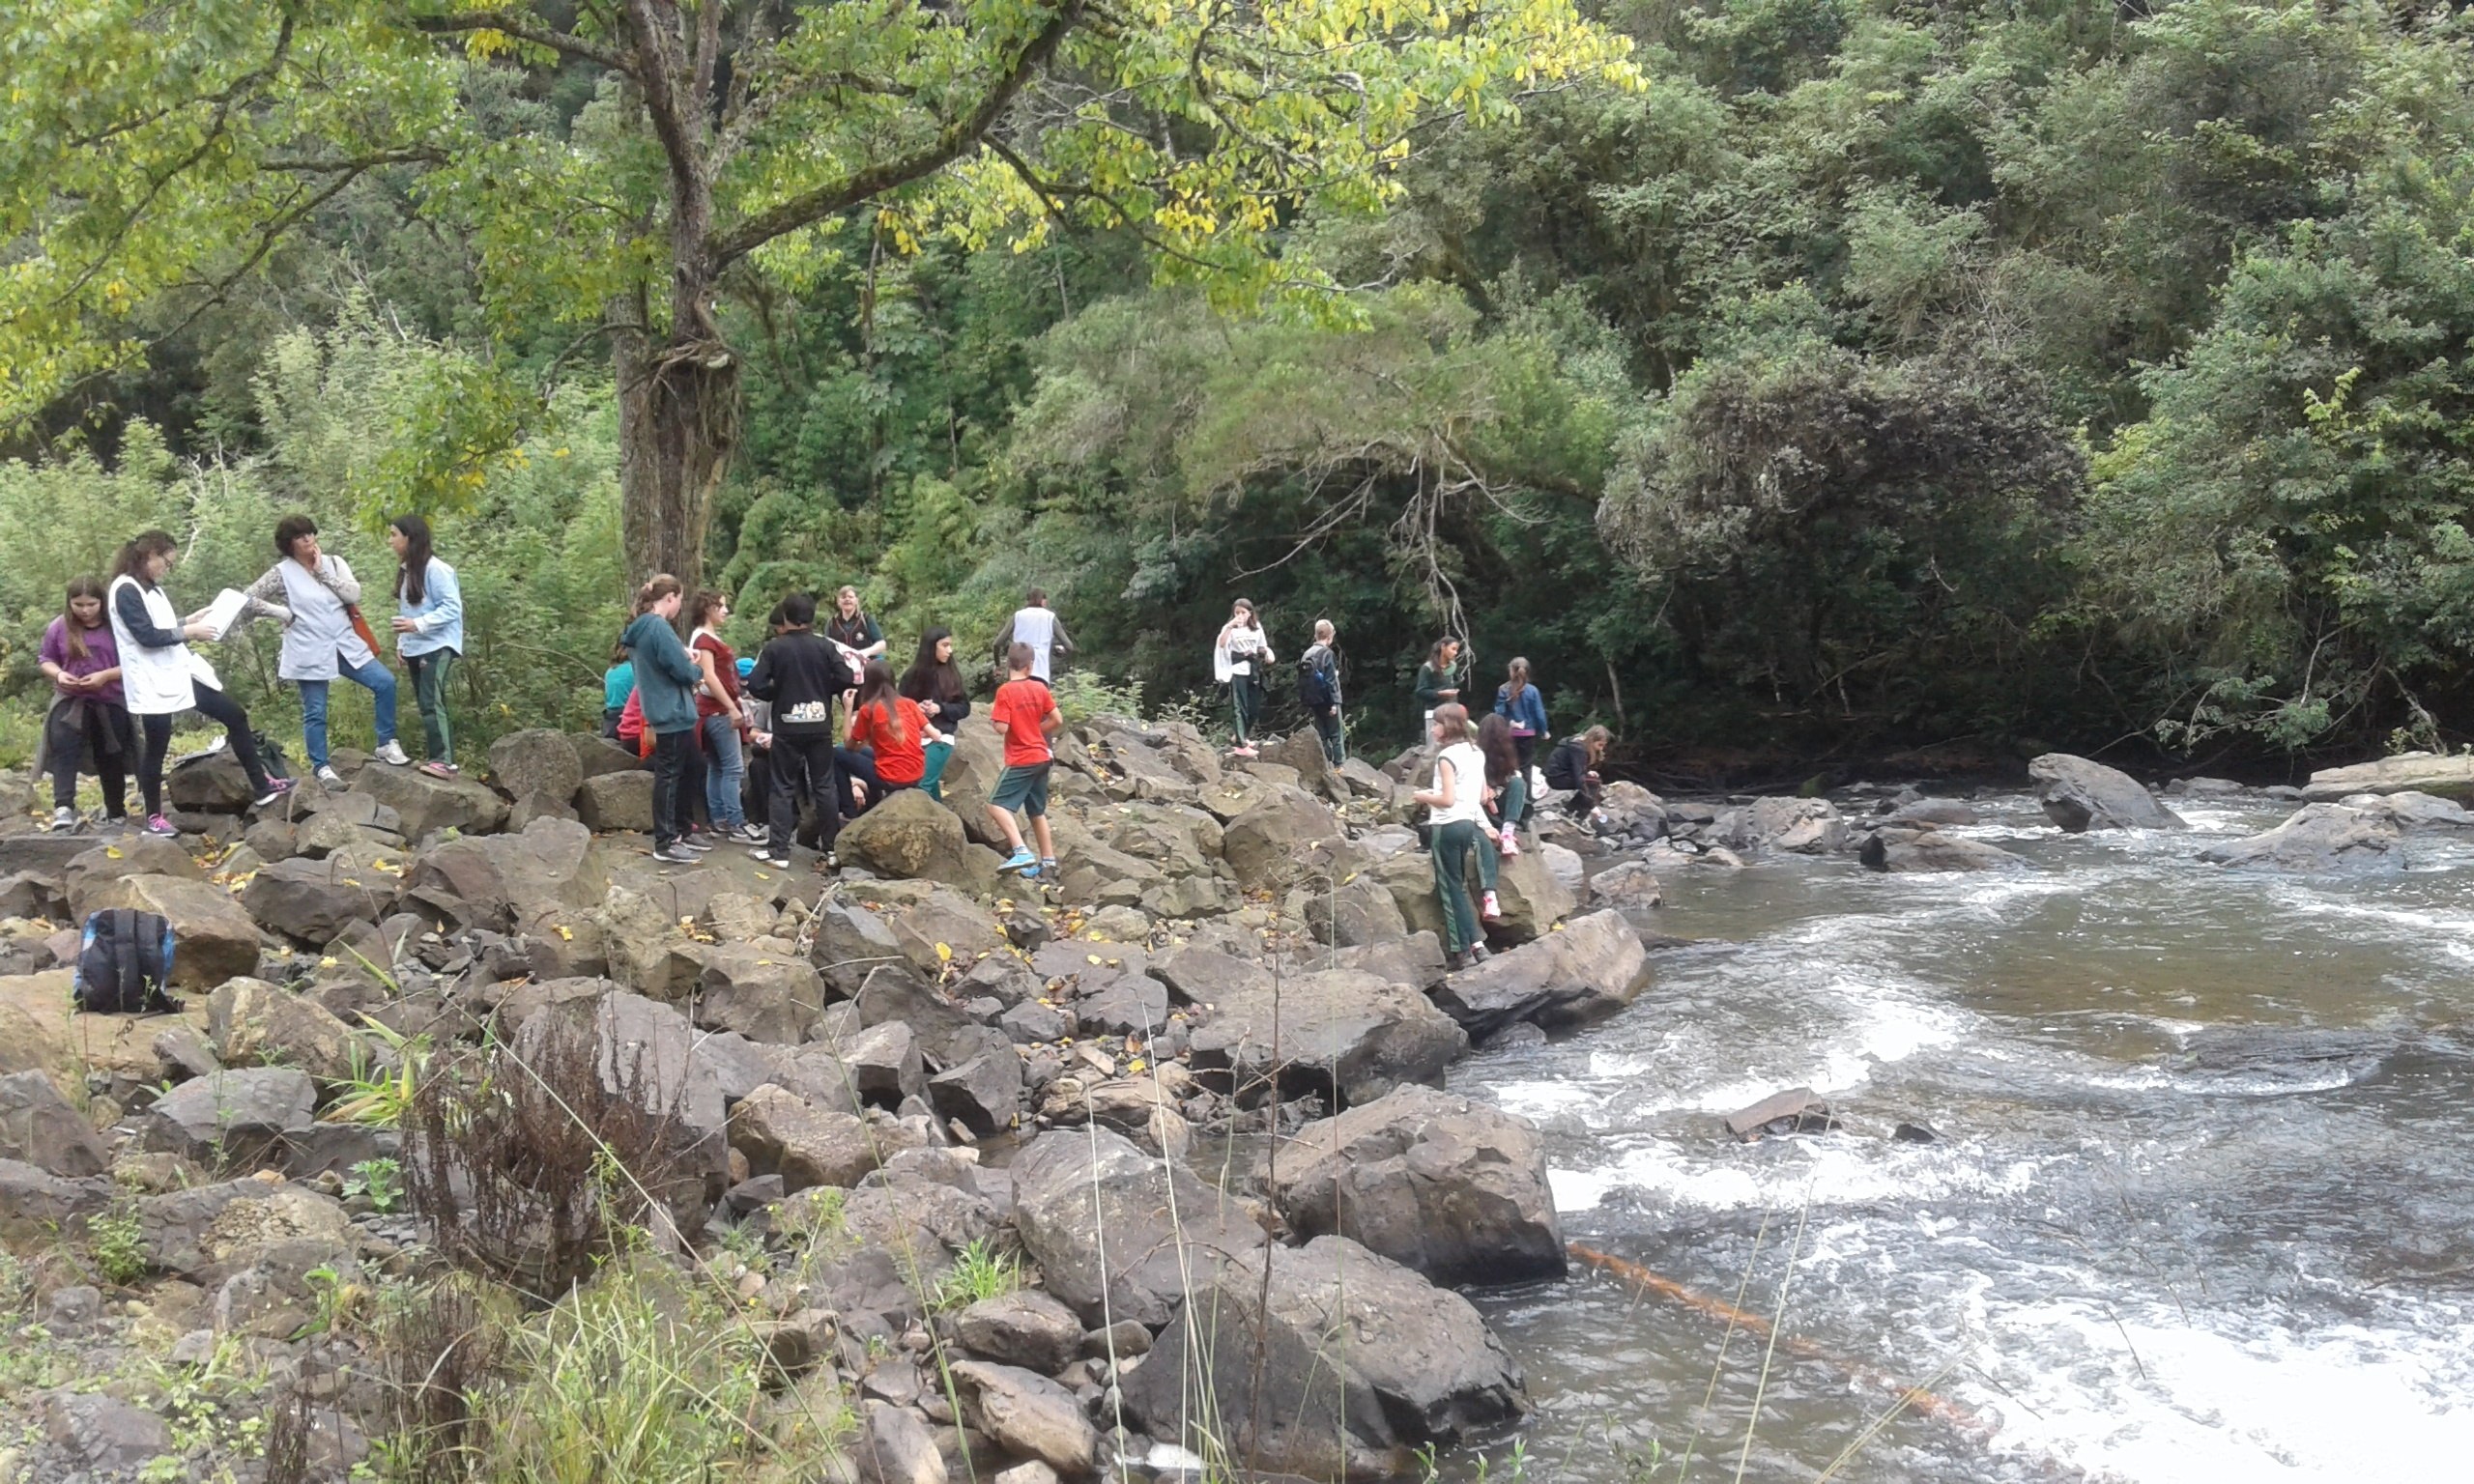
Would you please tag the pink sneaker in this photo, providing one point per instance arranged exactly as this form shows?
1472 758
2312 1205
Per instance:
1512 843
1492 911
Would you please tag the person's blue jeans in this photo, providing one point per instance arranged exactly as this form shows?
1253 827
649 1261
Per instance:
725 772
375 678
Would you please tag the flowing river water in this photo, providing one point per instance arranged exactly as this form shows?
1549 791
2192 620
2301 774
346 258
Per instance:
2202 1209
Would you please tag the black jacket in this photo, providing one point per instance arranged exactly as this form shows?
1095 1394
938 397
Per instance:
1568 765
801 674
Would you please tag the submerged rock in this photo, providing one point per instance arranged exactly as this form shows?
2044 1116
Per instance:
1797 1110
1900 850
2318 838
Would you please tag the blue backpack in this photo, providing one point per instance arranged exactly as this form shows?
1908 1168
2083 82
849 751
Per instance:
123 964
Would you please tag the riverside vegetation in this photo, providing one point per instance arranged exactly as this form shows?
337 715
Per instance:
1818 375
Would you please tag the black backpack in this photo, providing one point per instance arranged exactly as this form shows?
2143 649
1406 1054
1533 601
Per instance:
1314 687
125 964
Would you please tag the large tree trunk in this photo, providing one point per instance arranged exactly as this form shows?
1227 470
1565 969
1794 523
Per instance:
678 426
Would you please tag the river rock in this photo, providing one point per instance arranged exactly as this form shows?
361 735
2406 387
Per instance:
1029 1414
536 763
251 1021
427 805
1348 1035
616 801
642 1055
1793 1111
1933 812
37 1206
91 873
2318 838
2412 812
509 883
1627 886
216 935
1596 965
1453 1188
44 855
103 1433
2449 776
781 1132
1268 1382
911 837
1116 1231
237 1119
983 1093
1354 912
1027 1329
312 902
764 991
1288 839
37 1126
1796 826
1925 851
2079 795
893 1446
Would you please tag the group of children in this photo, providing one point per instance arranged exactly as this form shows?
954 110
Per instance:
122 666
697 711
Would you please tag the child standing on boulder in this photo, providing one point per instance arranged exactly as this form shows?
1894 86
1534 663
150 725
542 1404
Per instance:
801 673
87 716
1439 679
429 634
1456 814
1517 701
160 677
935 683
1239 657
1026 715
666 682
1318 691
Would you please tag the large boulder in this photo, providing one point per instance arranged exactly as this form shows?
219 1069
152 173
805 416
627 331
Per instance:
1117 1232
2449 776
313 901
89 876
509 883
1594 966
1797 826
1287 838
763 990
642 1055
1029 1328
913 838
2318 839
1532 899
252 1022
211 784
232 1120
216 935
1348 1035
427 805
1629 886
2079 795
1454 1188
807 1144
1893 849
536 763
1251 1364
616 801
39 1128
970 777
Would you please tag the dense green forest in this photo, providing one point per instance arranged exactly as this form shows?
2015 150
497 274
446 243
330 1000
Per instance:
1871 376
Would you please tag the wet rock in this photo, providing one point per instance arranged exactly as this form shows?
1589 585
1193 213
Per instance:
1935 813
39 1128
894 1446
427 805
1029 1329
237 1119
2317 838
1115 1230
911 837
1793 1111
1348 1035
1627 886
1419 1365
1029 1414
616 801
2079 795
1453 1188
216 937
1915 1134
2448 777
312 902
2412 812
2205 788
1796 826
1927 850
1596 965
253 1022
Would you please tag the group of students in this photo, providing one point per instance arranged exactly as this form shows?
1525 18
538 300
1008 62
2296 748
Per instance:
698 711
122 666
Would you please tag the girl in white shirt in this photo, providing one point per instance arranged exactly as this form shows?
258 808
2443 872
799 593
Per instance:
1240 655
1457 816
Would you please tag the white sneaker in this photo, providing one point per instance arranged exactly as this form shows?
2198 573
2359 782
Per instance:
64 818
393 753
328 777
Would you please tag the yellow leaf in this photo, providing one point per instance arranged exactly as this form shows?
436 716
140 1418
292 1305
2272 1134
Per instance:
566 934
111 852
945 952
327 962
1133 1065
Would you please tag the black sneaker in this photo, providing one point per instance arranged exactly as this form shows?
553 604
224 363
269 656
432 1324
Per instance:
693 848
676 854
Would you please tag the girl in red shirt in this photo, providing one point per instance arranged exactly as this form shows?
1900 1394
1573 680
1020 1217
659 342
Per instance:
893 725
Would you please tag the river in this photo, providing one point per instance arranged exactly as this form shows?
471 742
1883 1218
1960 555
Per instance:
2202 1211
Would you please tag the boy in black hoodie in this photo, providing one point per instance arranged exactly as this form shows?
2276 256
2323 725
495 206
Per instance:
801 673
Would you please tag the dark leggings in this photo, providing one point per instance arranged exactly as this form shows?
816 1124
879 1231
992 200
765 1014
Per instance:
103 738
803 771
215 706
679 777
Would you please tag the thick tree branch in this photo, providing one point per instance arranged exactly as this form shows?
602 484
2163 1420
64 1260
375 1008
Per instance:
950 143
525 29
657 73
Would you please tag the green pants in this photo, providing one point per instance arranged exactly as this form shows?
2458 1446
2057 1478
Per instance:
1452 843
1489 858
1516 801
932 781
429 693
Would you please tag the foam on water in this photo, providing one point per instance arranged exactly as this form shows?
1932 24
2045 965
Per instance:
1823 1173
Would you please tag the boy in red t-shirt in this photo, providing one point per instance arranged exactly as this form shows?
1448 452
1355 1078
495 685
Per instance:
1025 713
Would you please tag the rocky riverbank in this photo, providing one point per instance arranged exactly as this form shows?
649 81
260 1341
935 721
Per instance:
1135 1174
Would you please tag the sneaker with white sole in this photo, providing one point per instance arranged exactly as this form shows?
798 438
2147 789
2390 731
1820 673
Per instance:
277 788
391 752
1492 911
1022 860
327 776
750 835
160 827
64 818
674 854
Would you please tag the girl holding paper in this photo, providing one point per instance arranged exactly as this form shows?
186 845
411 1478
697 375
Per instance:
160 677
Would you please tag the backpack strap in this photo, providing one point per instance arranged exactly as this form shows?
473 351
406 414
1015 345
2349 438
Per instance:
126 957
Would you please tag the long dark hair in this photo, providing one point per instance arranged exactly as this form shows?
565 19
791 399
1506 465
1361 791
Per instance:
877 689
1516 680
412 577
1434 655
143 548
1494 739
928 678
69 627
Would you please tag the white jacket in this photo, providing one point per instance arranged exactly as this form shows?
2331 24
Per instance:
156 681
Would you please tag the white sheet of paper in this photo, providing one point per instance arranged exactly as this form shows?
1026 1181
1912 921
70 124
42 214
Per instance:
224 611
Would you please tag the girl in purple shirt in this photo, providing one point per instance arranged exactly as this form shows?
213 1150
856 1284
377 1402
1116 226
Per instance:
82 661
